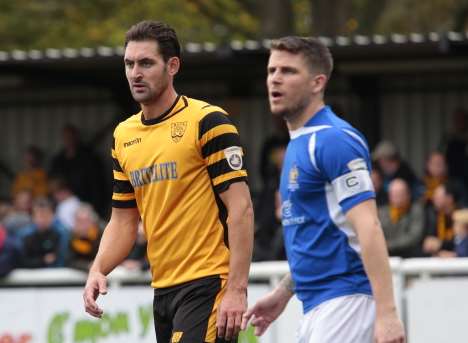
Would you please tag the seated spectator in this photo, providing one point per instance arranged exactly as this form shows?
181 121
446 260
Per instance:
402 221
43 245
67 202
460 227
33 177
137 259
436 174
439 236
392 166
5 208
82 169
10 252
85 236
454 144
18 216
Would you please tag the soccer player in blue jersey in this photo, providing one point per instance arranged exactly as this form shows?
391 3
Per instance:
335 246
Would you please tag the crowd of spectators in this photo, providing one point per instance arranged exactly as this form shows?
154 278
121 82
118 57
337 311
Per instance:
421 216
55 216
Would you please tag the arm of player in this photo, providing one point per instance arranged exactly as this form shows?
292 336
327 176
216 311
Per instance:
364 219
240 228
117 241
268 308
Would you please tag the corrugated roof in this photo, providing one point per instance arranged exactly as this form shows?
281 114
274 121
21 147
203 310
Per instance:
236 45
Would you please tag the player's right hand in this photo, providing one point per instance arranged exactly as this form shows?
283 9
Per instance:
265 311
96 285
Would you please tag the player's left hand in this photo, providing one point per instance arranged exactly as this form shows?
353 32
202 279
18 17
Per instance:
389 329
230 311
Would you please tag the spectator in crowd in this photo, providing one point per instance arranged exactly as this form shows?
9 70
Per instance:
137 259
18 217
436 174
460 227
81 168
268 243
377 181
33 176
42 246
67 202
392 166
84 240
455 144
439 236
10 252
271 156
5 208
402 221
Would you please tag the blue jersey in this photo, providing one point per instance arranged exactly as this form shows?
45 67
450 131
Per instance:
326 172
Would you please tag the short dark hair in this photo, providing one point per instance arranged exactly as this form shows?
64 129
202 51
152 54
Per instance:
454 189
36 154
316 53
162 33
43 203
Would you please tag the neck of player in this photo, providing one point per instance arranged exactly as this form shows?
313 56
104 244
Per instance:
159 107
299 119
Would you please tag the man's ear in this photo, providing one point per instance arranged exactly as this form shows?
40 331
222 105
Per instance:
318 83
173 65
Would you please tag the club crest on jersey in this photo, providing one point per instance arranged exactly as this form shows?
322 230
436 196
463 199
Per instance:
178 130
293 176
234 157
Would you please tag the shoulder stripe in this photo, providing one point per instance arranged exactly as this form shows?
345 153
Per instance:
123 196
123 187
312 143
211 120
120 176
213 158
220 143
225 185
219 168
116 165
209 105
124 204
231 175
217 131
356 137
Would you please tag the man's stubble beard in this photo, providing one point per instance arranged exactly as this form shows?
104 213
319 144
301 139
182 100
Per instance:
152 96
288 114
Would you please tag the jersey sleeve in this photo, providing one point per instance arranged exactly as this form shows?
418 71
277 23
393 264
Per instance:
123 194
343 159
221 150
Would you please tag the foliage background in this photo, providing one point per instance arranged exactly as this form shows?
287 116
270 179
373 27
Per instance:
39 24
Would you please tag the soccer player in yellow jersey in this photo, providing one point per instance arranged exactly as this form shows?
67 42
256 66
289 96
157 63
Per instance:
179 166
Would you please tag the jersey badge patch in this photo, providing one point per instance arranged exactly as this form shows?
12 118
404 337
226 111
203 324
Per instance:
293 176
178 130
234 157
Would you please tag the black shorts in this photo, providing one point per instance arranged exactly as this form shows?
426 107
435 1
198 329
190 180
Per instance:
186 313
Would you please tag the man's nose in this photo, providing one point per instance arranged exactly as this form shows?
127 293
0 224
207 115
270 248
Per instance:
136 73
275 77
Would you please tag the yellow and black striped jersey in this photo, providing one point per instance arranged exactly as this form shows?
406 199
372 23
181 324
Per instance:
173 168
